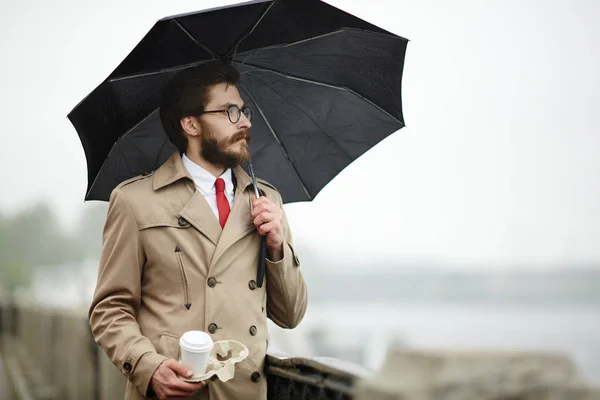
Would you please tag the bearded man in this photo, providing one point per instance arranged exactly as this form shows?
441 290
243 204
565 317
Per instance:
180 250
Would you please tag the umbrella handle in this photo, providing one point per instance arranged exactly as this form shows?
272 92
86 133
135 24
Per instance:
262 256
256 192
260 276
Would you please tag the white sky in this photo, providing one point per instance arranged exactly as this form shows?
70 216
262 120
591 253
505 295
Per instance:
498 164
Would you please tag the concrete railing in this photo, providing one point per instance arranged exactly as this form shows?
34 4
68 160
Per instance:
51 355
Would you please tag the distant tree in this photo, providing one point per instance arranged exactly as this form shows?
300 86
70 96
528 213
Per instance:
14 271
40 239
34 238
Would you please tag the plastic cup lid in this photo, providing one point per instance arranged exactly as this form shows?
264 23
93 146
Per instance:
196 341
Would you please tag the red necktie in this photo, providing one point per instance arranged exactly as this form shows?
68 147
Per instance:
222 202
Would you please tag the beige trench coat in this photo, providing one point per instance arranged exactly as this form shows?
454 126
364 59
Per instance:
167 267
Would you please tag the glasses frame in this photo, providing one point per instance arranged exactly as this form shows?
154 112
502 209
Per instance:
244 110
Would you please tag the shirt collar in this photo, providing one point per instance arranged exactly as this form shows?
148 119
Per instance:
203 179
173 170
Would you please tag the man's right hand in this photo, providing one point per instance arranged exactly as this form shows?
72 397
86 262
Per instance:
167 385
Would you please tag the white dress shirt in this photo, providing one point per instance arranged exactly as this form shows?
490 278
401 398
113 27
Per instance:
205 183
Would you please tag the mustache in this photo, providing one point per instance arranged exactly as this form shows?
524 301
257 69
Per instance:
243 134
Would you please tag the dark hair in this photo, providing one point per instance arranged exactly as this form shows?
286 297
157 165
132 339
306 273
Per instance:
186 95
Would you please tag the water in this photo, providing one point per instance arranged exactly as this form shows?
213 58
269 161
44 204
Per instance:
571 330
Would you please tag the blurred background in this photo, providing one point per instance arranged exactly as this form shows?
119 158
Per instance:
476 226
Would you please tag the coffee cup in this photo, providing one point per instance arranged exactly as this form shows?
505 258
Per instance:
195 350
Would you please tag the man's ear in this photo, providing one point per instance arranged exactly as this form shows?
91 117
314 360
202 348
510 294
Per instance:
190 125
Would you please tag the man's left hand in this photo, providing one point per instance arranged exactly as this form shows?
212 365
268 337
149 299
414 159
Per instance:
268 219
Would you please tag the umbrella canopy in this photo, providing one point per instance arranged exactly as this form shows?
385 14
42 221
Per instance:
324 86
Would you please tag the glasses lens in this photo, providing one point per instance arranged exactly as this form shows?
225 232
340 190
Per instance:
248 113
234 114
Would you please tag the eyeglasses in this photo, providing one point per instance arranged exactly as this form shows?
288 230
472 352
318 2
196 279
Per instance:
234 113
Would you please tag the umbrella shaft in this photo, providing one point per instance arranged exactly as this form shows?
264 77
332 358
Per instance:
256 192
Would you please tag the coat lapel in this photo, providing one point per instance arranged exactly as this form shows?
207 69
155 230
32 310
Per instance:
239 223
196 211
199 214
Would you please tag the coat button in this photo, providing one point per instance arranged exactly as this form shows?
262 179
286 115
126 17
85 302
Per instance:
127 367
252 284
212 328
212 282
253 330
182 222
255 377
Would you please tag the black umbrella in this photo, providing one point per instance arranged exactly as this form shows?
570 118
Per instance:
324 85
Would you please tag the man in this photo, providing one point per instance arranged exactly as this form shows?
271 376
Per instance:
181 250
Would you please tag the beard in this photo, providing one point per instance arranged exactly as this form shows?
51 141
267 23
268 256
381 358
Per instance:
217 151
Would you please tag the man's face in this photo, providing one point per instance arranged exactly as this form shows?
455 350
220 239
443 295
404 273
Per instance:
223 142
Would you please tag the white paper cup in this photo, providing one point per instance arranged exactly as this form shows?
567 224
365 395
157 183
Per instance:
195 349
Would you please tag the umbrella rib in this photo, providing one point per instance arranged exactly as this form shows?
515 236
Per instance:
282 46
251 53
100 170
323 131
160 71
123 158
138 124
113 147
234 48
281 146
344 88
198 43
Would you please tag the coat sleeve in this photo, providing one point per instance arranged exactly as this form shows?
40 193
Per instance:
117 298
286 289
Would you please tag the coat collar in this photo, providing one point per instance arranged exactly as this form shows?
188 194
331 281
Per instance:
170 172
173 170
196 210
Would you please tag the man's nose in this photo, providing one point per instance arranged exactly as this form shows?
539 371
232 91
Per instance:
244 122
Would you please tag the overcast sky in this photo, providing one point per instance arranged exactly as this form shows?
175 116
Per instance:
499 162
